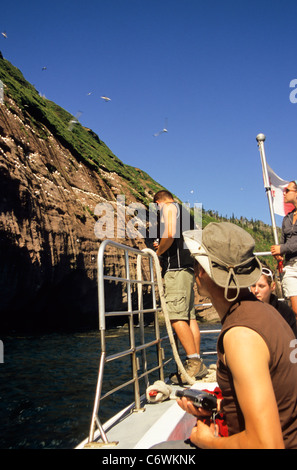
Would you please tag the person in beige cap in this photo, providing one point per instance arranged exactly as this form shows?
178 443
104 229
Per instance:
257 366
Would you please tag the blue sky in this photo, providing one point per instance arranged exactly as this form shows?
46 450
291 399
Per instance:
218 71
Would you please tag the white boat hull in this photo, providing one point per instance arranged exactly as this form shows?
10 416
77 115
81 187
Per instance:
158 422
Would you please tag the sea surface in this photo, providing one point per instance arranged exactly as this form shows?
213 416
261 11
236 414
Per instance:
48 385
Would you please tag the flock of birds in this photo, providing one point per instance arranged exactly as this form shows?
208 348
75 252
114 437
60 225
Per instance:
74 121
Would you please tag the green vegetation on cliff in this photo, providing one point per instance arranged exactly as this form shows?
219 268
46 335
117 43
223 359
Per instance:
83 143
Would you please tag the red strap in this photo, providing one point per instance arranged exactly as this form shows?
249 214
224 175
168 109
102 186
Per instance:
220 418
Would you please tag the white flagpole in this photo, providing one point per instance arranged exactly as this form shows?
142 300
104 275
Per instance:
260 139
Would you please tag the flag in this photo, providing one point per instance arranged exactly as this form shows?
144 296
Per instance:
278 185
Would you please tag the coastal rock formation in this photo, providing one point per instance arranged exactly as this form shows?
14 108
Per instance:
52 180
48 200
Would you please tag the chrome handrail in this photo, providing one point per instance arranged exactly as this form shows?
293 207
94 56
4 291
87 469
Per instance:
130 313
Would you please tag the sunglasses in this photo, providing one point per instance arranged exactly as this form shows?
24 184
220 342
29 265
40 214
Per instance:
267 272
288 190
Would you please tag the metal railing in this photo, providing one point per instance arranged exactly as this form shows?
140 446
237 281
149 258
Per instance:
130 281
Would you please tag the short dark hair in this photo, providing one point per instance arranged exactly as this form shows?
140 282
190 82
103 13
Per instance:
295 184
161 195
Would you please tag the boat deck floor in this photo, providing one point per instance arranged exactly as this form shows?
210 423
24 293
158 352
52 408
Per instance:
157 422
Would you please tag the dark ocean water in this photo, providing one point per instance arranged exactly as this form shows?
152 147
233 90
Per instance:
48 385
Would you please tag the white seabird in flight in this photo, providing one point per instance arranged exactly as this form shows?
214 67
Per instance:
163 130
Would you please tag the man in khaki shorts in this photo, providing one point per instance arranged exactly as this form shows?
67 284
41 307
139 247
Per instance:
178 275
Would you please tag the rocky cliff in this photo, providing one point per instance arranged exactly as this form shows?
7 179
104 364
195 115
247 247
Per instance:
54 174
52 178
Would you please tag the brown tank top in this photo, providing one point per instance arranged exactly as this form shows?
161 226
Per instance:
277 334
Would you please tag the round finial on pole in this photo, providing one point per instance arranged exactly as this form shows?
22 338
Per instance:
260 137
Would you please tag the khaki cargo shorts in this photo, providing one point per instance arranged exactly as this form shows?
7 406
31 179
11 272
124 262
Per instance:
290 280
179 294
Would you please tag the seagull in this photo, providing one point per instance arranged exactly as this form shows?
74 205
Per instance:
4 34
44 68
105 98
73 121
163 130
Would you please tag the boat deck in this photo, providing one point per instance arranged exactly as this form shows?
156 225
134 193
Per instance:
158 422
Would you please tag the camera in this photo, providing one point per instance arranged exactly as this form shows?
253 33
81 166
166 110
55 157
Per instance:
200 399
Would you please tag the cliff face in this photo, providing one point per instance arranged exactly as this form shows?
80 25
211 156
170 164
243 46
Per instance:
49 190
53 176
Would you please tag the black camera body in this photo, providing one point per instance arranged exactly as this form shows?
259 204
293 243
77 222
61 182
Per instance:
200 399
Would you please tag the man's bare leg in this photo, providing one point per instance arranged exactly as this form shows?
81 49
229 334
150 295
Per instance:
188 335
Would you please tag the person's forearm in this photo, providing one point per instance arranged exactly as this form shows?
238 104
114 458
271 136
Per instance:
165 244
237 441
242 440
289 247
